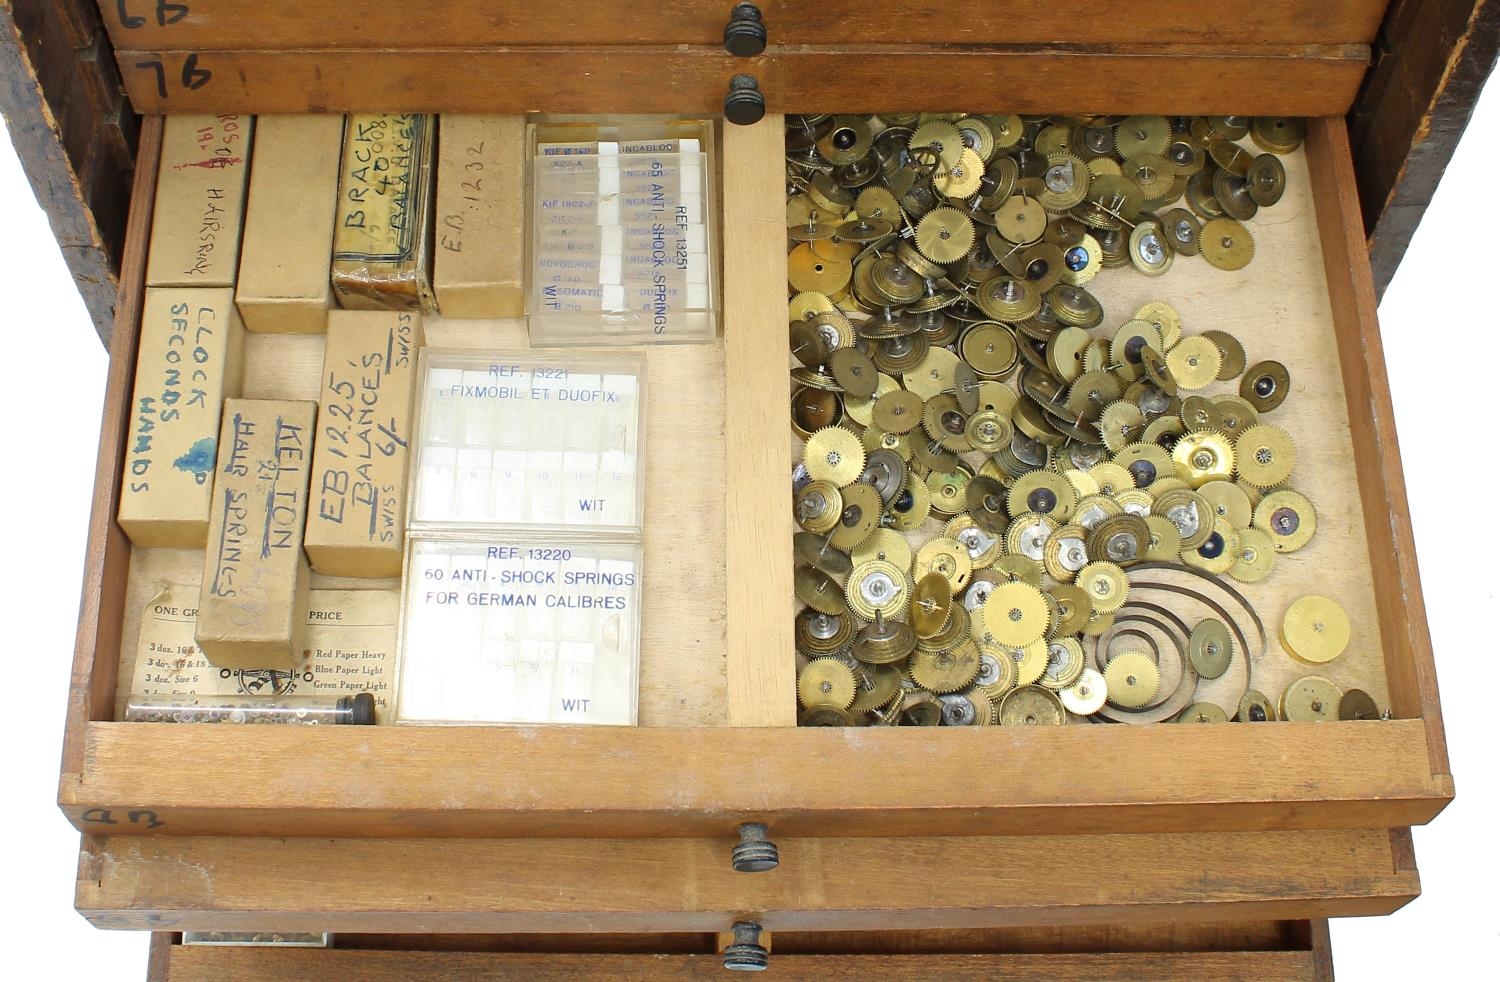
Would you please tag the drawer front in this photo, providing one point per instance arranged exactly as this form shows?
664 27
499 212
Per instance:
1281 951
1316 80
759 767
582 886
212 25
1296 57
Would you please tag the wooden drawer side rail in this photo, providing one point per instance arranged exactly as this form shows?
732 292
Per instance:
107 559
1410 670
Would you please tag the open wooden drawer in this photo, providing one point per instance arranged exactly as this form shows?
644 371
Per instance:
1258 951
718 745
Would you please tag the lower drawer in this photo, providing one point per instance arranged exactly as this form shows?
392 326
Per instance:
1250 951
582 886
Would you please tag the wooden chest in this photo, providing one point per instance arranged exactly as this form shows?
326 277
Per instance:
525 839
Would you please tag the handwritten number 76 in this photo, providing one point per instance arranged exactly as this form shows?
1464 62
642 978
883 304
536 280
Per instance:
193 77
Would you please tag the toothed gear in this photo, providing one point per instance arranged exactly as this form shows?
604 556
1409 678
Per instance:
834 454
1203 456
1120 425
947 670
1264 455
826 682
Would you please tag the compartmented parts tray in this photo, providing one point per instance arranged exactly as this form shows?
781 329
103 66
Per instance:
716 642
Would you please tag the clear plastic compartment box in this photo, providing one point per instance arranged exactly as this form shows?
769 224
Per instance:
522 592
622 231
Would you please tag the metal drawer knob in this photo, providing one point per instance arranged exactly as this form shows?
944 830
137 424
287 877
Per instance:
744 104
746 953
755 853
745 35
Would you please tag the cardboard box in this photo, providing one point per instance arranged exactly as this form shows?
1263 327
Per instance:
294 189
189 359
382 256
252 604
200 200
356 516
479 247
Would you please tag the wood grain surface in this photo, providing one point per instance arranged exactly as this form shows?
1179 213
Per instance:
196 964
1432 59
421 782
1402 613
1307 80
648 781
279 24
686 885
102 606
61 95
757 503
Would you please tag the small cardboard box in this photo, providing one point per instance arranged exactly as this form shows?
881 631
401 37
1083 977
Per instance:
189 359
294 189
356 517
382 257
253 601
478 253
200 200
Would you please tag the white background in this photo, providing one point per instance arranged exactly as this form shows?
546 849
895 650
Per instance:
1440 319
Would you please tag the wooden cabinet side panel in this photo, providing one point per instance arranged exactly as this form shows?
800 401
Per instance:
1431 62
64 106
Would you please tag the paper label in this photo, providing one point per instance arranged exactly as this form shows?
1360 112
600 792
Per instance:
189 340
200 200
510 631
360 459
378 212
350 648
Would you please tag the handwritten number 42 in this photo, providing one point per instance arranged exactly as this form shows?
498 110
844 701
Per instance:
193 77
167 14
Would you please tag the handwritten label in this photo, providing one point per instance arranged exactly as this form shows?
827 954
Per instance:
193 75
381 154
184 373
187 340
144 817
195 233
166 13
359 466
471 192
255 573
362 432
350 648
